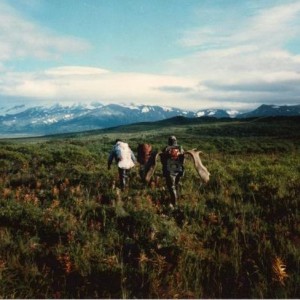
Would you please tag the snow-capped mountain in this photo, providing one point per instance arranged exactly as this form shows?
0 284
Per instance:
272 110
217 113
24 120
41 120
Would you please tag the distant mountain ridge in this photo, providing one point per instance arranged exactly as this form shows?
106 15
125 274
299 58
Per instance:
272 111
41 120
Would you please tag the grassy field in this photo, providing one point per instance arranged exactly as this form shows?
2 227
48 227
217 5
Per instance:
66 230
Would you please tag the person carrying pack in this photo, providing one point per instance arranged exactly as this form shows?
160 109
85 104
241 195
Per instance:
144 152
125 159
172 159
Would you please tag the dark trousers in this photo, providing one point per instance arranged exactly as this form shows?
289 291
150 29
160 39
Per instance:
123 177
172 181
142 173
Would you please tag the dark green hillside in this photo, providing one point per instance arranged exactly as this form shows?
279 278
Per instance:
66 231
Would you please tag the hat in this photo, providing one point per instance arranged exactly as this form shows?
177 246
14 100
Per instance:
172 139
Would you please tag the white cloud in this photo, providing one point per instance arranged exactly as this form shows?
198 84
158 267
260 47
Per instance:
274 25
248 63
75 71
82 84
21 38
267 27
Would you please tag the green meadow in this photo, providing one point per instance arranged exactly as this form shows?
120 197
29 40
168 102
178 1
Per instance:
67 231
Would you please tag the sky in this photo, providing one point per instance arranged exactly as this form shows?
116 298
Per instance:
190 54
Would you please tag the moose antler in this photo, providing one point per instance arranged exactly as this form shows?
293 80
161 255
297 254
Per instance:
194 153
201 169
151 165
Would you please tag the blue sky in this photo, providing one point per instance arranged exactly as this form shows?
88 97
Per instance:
190 54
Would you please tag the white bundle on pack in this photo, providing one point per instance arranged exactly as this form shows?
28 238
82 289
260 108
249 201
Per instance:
124 156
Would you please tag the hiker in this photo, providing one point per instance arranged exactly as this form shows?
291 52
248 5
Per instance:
143 155
172 159
125 159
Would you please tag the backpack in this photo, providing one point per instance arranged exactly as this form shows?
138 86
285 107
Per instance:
174 160
143 153
173 153
123 154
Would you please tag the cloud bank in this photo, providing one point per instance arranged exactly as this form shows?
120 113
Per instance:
238 64
248 64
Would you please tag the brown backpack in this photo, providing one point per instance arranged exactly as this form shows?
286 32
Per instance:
174 153
143 153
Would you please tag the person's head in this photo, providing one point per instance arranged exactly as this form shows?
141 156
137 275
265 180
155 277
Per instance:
172 141
117 140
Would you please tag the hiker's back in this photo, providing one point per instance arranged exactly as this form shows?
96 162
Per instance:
172 160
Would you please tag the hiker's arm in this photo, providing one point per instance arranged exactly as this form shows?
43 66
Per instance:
133 157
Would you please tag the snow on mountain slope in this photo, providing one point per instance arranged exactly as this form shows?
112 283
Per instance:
40 120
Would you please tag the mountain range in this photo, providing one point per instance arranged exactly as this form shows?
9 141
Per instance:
42 120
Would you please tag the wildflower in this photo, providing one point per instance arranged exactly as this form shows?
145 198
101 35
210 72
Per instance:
36 200
18 193
95 225
55 203
143 258
279 270
55 191
253 186
38 185
27 198
66 262
113 185
33 246
78 189
62 187
6 192
68 266
213 218
2 264
79 201
152 185
71 236
111 260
